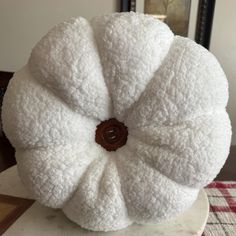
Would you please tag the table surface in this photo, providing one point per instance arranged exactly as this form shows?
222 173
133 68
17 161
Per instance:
40 220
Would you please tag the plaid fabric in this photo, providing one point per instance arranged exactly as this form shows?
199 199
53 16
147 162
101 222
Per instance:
222 215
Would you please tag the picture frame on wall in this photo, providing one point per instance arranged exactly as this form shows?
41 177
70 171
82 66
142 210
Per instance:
188 18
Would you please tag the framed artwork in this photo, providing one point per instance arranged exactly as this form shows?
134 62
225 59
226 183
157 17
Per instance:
188 18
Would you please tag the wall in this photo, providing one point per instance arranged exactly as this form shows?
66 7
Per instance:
223 46
24 22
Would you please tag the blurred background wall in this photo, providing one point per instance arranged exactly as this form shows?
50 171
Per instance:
223 46
24 22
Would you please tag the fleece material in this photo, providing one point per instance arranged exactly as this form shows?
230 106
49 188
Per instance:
170 92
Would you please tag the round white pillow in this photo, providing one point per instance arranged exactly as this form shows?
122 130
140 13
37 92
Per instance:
117 120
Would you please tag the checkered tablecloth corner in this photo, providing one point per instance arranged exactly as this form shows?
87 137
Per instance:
222 215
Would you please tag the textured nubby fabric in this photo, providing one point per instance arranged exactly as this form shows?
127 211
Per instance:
170 92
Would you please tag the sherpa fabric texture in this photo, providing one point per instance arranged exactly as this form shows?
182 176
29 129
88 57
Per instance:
170 92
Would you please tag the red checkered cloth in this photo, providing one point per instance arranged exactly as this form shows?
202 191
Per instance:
222 215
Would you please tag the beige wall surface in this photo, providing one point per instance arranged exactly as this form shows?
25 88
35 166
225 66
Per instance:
223 46
24 22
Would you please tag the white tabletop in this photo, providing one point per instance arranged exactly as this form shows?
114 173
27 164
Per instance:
39 220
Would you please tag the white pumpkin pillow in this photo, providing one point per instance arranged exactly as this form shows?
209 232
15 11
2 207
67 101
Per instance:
117 120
